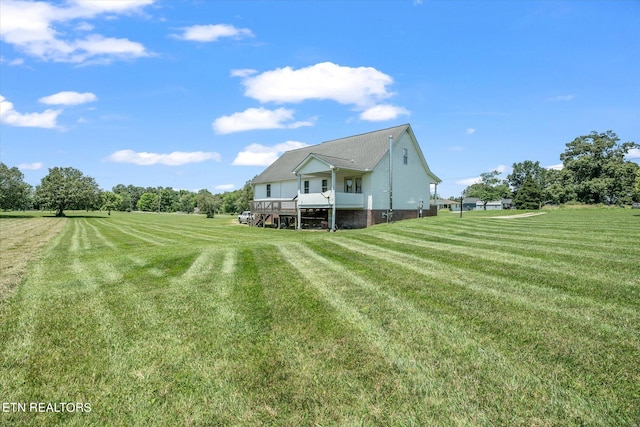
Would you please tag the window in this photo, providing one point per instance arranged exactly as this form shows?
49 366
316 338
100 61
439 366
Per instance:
268 190
306 187
353 185
325 185
348 185
405 156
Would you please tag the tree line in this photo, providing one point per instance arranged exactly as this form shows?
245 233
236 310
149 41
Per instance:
594 171
66 188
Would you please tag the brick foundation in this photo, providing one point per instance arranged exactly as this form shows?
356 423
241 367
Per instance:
366 218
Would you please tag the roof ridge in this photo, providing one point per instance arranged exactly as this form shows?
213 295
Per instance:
350 136
365 133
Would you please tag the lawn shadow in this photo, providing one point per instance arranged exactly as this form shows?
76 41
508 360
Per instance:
72 216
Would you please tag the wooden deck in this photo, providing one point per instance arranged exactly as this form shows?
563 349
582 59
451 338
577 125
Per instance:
279 207
279 213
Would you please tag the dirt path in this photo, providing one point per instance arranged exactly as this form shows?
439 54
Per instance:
20 242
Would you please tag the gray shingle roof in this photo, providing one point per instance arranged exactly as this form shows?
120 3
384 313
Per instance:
360 152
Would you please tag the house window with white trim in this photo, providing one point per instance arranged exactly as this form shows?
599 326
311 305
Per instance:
353 185
325 185
306 187
268 190
405 156
348 185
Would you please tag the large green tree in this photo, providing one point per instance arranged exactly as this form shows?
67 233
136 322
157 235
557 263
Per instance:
67 188
636 195
526 170
111 201
206 203
529 195
148 202
489 188
599 171
14 192
559 186
245 196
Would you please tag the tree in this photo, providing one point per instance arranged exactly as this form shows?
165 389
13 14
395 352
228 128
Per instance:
522 171
636 195
245 196
206 203
14 192
489 188
599 170
186 201
529 195
111 201
66 188
558 187
229 202
148 202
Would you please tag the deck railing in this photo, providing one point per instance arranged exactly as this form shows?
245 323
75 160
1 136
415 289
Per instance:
281 207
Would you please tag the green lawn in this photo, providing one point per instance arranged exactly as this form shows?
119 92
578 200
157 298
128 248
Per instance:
151 319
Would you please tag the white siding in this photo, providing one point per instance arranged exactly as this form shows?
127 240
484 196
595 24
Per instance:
411 182
279 190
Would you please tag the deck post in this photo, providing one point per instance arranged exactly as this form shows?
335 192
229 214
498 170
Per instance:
333 205
299 224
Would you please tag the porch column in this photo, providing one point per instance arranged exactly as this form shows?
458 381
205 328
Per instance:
299 224
333 191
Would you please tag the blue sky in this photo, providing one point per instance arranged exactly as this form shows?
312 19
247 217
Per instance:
205 94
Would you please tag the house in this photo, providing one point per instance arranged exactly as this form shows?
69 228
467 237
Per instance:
469 203
448 204
348 182
494 205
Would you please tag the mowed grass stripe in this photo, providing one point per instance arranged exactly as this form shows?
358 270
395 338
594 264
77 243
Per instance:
20 321
429 349
605 340
271 327
21 240
525 293
134 233
615 254
590 245
609 279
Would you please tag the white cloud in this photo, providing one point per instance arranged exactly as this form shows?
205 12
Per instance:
176 158
469 181
471 131
243 72
224 187
561 98
362 86
257 118
383 112
261 155
557 167
9 116
13 62
211 33
502 168
34 28
456 148
93 7
31 166
475 180
68 98
633 153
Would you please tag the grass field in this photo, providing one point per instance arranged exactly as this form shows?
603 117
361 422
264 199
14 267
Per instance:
151 319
